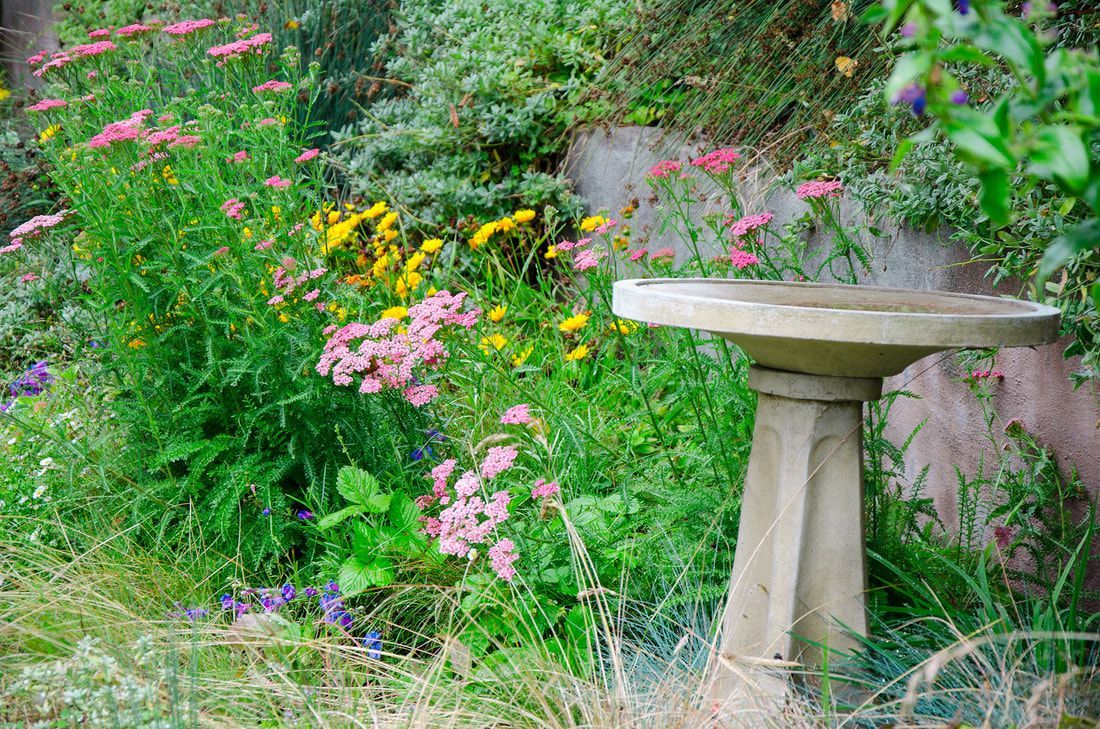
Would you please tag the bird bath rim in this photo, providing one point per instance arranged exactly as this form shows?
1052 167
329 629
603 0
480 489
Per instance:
865 314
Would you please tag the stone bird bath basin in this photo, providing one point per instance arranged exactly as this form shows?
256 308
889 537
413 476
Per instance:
820 351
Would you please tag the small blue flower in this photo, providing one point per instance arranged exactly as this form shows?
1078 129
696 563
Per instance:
227 601
305 514
311 592
915 96
959 97
266 511
372 641
289 592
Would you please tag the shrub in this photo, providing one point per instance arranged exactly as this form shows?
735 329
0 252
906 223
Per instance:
484 95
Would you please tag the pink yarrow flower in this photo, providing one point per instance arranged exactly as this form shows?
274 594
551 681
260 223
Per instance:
99 33
127 130
664 253
239 48
718 161
502 556
516 415
498 460
277 182
233 208
187 27
272 86
28 277
639 254
742 259
264 245
544 488
307 155
241 156
749 223
131 30
88 50
819 189
47 104
588 258
664 168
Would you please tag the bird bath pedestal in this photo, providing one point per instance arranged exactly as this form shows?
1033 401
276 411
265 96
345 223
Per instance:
821 351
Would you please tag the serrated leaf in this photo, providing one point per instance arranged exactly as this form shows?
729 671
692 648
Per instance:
404 513
354 576
356 485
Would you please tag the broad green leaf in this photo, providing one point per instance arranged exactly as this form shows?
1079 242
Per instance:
978 142
1080 238
996 195
1012 40
1088 101
965 54
331 520
356 485
354 576
380 572
364 541
1059 153
404 513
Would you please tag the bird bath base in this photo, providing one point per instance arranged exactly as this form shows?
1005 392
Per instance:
821 351
799 574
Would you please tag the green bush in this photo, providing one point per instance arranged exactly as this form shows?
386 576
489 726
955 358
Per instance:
484 93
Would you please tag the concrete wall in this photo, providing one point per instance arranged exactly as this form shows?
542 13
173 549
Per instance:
608 167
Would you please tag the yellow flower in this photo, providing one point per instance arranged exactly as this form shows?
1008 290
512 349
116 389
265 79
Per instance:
623 326
432 245
136 344
431 292
574 323
246 233
484 233
333 217
520 358
4 93
168 175
49 133
395 312
386 222
406 282
506 225
292 24
380 266
551 252
591 223
276 212
414 261
495 341
846 66
577 354
284 318
497 313
375 210
524 216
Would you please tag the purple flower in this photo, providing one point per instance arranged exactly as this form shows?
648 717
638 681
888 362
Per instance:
420 454
913 95
333 587
266 511
959 97
908 30
227 601
305 514
963 6
289 592
372 641
311 592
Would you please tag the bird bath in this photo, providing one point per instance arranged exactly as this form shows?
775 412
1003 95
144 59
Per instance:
820 351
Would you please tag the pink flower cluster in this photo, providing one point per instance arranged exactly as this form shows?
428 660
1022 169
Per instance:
88 50
467 518
57 60
131 30
588 258
664 253
277 182
171 137
639 254
32 228
818 189
187 27
749 223
238 156
286 281
239 48
568 245
742 259
604 227
233 208
272 85
664 168
307 155
47 104
99 33
386 358
718 161
122 131
516 415
987 374
544 489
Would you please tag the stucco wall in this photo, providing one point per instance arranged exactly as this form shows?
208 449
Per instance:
608 168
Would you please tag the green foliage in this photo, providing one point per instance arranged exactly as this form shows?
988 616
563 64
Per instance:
752 72
1043 128
484 93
